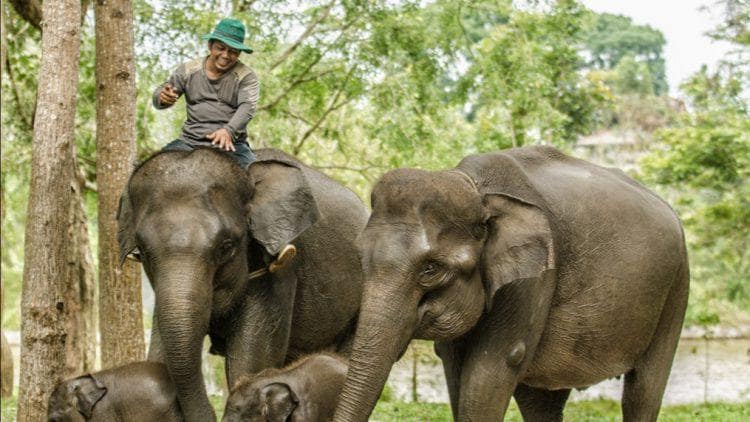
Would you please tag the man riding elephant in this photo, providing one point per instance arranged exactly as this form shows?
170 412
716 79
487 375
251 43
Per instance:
201 223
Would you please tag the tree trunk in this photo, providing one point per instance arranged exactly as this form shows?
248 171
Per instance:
120 305
43 304
80 293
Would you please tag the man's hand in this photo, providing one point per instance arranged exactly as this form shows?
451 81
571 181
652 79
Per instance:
167 96
222 138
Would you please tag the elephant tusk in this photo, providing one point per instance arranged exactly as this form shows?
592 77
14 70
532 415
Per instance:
284 257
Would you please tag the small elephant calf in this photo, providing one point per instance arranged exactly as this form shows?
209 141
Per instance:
305 391
139 391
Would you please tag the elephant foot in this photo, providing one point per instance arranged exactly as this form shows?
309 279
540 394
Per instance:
287 253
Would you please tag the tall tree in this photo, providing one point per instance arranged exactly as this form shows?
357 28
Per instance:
81 287
44 309
20 66
120 307
614 37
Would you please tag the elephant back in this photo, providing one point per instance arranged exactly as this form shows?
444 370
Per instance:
585 203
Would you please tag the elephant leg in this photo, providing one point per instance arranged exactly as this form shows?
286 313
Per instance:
502 346
260 337
645 383
452 356
155 349
540 405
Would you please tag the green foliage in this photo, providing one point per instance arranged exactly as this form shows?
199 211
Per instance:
218 402
633 77
586 411
627 60
613 38
735 27
9 407
524 84
357 88
15 191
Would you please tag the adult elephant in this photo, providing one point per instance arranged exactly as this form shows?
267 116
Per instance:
199 224
533 271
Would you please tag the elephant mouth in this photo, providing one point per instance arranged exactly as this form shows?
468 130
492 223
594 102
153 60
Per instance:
431 324
432 328
439 322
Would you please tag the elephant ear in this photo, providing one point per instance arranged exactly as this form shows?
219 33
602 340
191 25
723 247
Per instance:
279 401
126 227
282 205
88 391
519 244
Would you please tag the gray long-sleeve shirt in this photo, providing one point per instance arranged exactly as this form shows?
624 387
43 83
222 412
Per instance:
228 102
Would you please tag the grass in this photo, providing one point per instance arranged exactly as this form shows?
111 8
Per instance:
586 411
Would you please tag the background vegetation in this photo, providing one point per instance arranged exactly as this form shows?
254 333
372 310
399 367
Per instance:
356 88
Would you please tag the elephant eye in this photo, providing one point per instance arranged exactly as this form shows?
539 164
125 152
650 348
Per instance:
227 249
430 268
434 275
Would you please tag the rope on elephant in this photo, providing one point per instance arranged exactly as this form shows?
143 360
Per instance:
257 273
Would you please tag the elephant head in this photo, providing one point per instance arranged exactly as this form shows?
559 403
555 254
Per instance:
74 400
435 251
197 222
272 402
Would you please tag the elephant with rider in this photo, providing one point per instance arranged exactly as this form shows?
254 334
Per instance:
200 224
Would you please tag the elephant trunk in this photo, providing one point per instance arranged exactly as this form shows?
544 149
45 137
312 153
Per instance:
183 309
387 321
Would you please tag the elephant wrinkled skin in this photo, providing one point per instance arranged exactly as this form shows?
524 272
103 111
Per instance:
533 271
199 224
139 391
304 391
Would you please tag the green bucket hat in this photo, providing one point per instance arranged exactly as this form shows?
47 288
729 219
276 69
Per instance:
232 33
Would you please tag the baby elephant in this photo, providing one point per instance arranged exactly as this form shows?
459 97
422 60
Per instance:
305 391
139 391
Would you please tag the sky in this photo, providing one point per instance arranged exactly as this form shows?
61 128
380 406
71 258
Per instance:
683 26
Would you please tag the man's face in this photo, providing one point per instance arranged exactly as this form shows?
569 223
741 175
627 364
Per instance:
222 56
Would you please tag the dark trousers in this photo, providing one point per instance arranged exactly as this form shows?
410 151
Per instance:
242 154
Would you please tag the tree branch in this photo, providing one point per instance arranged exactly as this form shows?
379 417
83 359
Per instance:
308 31
291 86
28 124
242 6
30 11
333 106
464 31
301 77
295 116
